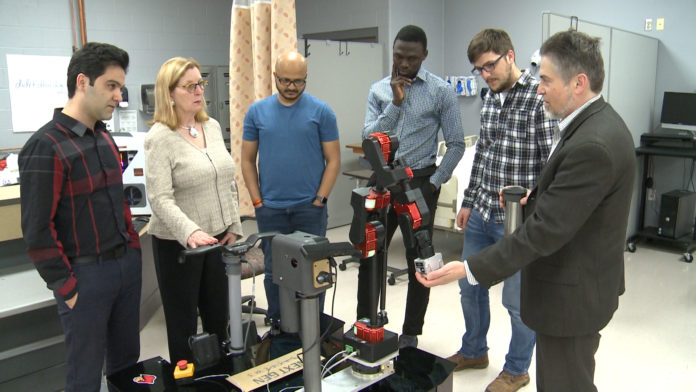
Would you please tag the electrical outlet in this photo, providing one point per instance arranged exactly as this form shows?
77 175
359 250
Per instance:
648 24
651 194
660 24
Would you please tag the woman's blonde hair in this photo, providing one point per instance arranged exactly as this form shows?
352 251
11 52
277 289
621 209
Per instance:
167 80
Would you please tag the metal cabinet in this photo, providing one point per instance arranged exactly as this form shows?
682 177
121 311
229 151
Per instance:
217 95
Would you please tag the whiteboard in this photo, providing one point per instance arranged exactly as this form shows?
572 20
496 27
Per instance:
38 84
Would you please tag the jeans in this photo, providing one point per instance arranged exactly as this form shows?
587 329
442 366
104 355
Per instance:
476 307
104 321
305 217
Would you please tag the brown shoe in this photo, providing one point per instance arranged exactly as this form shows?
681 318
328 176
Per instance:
508 382
468 363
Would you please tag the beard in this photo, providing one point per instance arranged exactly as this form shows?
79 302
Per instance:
562 113
282 92
506 82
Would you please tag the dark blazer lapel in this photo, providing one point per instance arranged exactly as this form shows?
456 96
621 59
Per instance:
568 132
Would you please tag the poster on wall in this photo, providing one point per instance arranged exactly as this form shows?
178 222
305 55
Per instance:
37 86
128 121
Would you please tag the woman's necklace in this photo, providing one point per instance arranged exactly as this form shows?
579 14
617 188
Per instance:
192 130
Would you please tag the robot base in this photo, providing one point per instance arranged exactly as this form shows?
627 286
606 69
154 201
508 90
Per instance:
372 352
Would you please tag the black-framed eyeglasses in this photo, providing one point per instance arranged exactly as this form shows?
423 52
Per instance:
488 67
191 87
286 82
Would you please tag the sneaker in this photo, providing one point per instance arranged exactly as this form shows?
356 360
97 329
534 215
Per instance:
468 363
508 382
408 341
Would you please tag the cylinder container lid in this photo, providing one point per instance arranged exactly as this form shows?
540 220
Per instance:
514 193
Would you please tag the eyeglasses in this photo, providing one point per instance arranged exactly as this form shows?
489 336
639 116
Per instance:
488 67
286 82
191 87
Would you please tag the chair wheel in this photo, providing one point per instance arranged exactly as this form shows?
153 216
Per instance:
391 280
342 266
688 257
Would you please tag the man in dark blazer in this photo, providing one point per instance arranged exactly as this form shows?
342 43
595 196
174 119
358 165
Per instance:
570 245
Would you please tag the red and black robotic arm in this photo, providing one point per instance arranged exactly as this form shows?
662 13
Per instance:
370 206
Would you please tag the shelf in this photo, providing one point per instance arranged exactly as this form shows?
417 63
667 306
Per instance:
356 147
682 152
362 174
678 149
650 233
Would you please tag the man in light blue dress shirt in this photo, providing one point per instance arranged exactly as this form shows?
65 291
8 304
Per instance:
414 105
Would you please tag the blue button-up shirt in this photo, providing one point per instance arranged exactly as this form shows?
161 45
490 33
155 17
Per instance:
429 105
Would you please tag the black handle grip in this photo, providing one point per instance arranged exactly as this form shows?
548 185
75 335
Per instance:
237 249
196 251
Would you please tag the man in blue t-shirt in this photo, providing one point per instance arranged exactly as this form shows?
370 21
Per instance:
295 137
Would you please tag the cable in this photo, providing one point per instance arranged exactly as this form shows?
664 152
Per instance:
323 368
354 353
268 388
289 388
205 379
331 359
212 376
253 302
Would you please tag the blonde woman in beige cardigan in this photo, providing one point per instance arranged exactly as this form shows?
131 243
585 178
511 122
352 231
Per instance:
190 186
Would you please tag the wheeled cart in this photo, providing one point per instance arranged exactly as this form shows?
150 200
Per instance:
685 243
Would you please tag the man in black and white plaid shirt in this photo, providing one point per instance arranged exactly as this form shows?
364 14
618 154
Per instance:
515 142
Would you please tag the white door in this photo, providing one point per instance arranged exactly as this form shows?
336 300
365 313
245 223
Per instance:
340 74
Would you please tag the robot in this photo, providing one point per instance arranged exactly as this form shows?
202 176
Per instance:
303 262
374 344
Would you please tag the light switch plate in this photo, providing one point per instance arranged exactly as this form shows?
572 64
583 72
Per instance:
660 25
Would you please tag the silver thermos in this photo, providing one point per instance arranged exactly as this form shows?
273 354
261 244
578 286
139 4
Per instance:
513 209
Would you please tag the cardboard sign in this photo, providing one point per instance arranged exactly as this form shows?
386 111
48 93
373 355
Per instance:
268 372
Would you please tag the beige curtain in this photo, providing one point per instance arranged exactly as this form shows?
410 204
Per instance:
261 30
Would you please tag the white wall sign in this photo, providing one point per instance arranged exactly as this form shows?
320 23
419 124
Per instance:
127 120
37 86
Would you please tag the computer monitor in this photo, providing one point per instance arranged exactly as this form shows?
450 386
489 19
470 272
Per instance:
679 111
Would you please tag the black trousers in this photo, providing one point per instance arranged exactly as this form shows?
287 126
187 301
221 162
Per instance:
199 286
418 296
567 363
104 321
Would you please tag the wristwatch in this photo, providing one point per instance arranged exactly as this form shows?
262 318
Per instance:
321 199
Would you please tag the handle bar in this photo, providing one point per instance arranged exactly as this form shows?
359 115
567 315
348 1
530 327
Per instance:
236 249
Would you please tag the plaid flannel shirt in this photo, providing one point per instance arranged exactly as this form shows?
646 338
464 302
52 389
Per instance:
513 146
